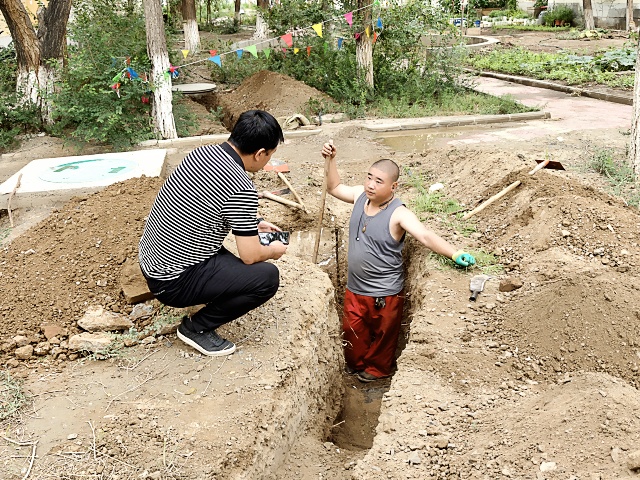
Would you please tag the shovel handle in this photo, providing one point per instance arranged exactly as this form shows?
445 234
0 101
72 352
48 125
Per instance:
323 199
540 166
488 202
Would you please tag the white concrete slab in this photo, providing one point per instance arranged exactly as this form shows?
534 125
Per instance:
194 88
85 171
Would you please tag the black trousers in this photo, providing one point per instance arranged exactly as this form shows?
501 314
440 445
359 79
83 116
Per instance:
225 284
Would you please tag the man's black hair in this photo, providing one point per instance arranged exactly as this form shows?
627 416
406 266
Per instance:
256 129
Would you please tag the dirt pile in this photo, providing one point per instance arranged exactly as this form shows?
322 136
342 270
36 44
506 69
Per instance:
278 94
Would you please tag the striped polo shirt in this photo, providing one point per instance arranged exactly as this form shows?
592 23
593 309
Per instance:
208 195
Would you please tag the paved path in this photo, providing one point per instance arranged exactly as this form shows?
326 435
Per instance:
568 113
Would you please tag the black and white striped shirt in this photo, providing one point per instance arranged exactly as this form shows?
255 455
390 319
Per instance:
207 196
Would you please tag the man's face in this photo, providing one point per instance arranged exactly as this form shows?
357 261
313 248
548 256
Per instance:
378 185
261 158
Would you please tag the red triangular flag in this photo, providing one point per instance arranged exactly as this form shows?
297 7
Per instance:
308 51
288 39
357 35
213 52
375 36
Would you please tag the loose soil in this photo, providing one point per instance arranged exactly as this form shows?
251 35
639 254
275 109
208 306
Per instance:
537 382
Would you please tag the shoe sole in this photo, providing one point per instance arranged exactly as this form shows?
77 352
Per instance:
217 353
366 380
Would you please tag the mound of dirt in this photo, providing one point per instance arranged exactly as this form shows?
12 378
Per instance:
278 94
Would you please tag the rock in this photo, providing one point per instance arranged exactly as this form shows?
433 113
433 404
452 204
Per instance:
442 443
24 353
51 331
168 329
414 458
548 466
97 319
72 436
633 460
509 284
42 349
616 455
566 233
387 422
20 340
142 310
133 284
91 342
435 187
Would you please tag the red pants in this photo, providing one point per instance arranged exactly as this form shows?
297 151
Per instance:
370 334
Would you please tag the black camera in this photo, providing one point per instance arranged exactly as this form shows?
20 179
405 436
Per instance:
267 237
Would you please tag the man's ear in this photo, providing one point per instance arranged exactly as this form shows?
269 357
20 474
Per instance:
257 153
394 186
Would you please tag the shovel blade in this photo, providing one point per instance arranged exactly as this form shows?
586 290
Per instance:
552 165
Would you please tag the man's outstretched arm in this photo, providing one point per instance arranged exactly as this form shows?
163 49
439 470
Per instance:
334 184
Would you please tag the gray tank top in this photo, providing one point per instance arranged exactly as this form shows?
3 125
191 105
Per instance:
375 257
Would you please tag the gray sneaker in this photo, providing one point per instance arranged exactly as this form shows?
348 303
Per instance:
207 343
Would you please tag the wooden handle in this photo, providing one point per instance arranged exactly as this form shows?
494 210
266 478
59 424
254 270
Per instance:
284 201
295 194
488 202
540 166
323 198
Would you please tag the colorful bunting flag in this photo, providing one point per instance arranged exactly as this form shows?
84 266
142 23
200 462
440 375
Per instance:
252 50
185 53
340 40
132 73
357 36
379 24
287 39
317 28
375 36
239 52
295 51
308 51
349 18
267 52
366 30
216 59
213 52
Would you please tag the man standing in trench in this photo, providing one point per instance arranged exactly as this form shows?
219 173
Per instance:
181 253
374 296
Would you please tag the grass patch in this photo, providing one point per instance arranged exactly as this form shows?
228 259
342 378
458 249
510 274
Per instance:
12 397
573 69
487 263
619 175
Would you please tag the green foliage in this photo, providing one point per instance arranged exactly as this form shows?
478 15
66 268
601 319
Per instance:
510 13
573 69
12 397
562 13
86 104
618 173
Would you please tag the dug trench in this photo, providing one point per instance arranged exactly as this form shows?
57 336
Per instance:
536 382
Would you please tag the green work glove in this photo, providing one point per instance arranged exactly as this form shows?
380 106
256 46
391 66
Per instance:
463 259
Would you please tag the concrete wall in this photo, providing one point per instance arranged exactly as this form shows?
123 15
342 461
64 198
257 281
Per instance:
607 14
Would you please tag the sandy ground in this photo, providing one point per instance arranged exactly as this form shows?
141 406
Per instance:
536 382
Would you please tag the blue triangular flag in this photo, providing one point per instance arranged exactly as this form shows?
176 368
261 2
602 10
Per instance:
340 40
239 52
216 59
132 73
379 24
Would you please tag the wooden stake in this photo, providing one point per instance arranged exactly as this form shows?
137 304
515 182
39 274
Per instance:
10 197
293 190
281 200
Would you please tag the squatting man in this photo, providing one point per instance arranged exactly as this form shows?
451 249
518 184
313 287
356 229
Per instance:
374 296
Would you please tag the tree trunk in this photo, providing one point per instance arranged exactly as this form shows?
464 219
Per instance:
364 45
589 22
191 35
634 146
38 54
236 15
262 27
162 110
631 25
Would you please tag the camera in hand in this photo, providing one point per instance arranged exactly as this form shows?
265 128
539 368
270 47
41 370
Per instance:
267 237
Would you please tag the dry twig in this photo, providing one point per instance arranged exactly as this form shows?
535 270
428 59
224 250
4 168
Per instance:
13 192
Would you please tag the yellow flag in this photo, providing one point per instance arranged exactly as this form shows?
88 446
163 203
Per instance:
185 53
318 29
367 31
296 50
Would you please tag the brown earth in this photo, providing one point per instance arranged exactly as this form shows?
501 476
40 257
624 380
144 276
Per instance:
538 382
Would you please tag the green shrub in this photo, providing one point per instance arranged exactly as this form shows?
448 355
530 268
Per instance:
562 13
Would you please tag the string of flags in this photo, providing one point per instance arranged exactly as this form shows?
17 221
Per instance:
288 39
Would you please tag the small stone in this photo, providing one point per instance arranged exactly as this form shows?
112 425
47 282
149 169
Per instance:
72 436
633 461
548 466
414 458
20 340
24 353
509 284
51 331
566 233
